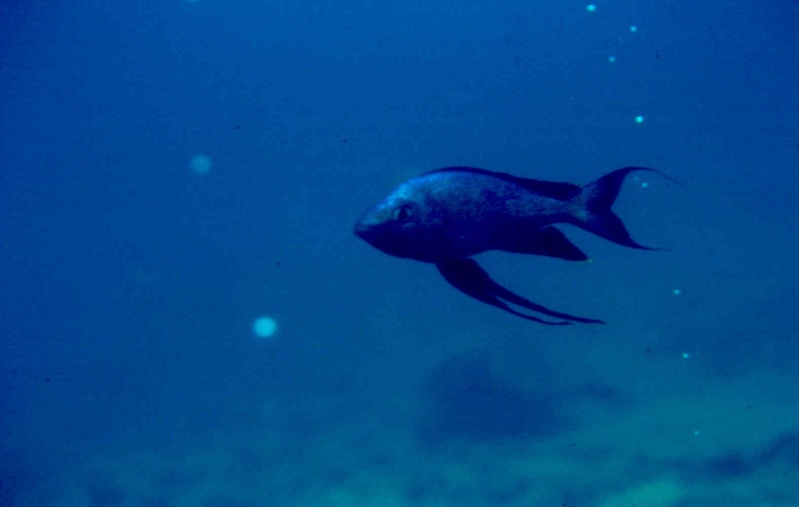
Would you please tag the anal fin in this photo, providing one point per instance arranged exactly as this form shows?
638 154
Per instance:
468 277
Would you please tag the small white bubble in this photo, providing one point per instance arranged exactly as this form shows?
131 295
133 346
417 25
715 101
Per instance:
612 59
590 7
639 119
201 164
633 28
264 327
686 355
644 185
676 292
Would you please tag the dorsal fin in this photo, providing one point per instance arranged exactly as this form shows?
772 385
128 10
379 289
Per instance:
551 189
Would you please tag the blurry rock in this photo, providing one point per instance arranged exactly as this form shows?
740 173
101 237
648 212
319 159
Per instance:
227 502
102 491
785 448
464 398
154 501
730 465
178 479
661 493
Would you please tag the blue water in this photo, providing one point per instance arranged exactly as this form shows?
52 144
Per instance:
131 272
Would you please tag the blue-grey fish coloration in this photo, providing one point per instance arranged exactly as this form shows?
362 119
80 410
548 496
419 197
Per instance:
448 215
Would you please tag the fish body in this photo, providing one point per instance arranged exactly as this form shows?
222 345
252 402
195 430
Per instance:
448 215
459 212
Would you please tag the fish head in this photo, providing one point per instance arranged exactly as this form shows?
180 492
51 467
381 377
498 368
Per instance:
398 226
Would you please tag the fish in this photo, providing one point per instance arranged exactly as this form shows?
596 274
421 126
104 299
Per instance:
447 216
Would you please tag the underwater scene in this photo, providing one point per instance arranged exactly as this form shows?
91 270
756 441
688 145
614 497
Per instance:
365 253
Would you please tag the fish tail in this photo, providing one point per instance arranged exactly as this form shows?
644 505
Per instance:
595 200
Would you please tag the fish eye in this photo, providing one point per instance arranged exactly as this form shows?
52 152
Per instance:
403 212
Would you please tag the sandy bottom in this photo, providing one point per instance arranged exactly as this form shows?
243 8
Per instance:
733 443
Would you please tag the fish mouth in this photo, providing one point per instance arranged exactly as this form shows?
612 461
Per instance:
362 229
367 224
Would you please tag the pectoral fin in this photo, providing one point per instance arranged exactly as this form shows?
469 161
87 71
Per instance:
547 241
468 277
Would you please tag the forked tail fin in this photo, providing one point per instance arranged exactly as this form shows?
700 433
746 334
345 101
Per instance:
596 199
